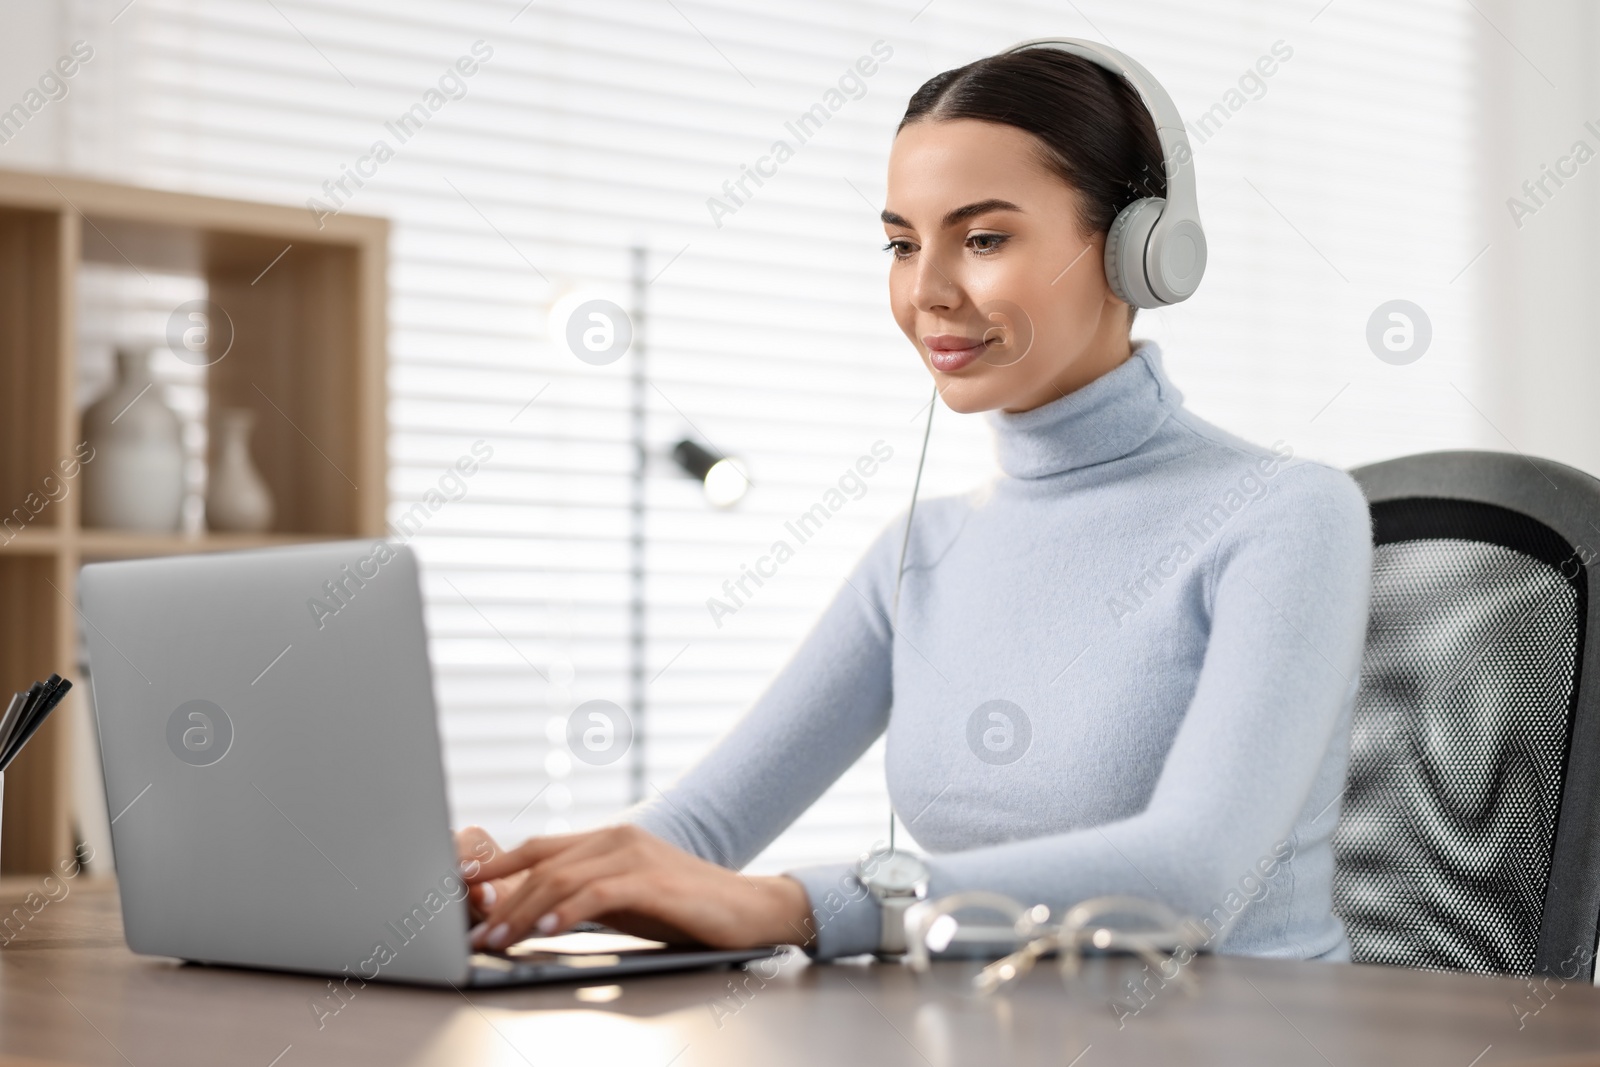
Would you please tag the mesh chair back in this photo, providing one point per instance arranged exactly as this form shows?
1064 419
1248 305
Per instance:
1466 835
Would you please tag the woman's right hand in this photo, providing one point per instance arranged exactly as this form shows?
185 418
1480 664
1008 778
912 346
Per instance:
474 847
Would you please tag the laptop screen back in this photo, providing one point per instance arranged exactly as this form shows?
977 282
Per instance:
272 761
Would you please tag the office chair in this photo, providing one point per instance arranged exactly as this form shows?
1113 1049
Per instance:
1469 836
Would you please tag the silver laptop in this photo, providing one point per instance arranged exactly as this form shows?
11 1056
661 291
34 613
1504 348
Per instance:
274 780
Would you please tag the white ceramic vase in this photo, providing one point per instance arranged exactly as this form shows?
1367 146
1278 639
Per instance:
136 480
237 498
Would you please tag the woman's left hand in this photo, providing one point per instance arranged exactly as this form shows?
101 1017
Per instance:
635 882
473 846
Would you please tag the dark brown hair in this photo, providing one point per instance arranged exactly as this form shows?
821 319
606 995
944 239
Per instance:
1091 127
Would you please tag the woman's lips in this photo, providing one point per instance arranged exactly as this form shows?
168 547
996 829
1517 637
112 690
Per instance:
949 353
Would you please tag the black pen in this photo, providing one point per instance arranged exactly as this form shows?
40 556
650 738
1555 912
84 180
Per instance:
9 719
51 694
30 700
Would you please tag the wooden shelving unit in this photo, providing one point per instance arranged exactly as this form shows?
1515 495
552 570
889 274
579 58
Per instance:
308 308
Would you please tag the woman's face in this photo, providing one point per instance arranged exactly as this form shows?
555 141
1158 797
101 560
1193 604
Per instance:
1005 300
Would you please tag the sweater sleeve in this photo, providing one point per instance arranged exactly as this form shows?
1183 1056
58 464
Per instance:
1288 618
816 718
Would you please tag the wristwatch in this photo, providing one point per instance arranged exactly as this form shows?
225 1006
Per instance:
896 881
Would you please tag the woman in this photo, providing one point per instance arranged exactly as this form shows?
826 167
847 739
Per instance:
1126 666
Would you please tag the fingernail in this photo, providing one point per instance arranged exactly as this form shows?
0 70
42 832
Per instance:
469 867
547 923
475 935
488 896
499 936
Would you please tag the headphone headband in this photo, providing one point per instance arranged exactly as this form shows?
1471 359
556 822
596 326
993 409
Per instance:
1174 251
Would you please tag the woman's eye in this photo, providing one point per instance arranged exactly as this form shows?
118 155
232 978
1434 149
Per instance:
986 242
900 248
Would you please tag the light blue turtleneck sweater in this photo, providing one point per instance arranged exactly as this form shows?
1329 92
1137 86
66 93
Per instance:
1124 666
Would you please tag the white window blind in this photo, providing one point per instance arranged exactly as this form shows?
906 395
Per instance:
587 131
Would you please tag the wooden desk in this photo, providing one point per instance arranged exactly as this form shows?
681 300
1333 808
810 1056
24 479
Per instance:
70 992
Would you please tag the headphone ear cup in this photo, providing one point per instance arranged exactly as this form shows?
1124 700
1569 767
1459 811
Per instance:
1126 245
1177 260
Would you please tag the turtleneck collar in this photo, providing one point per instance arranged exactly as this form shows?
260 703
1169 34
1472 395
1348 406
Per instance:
1105 420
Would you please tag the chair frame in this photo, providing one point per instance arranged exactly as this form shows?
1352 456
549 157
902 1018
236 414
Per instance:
1568 502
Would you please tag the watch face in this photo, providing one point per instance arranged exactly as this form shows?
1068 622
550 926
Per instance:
898 872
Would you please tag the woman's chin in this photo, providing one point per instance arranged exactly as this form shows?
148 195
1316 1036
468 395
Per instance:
966 394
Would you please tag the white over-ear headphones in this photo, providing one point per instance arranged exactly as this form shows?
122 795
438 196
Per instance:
1155 250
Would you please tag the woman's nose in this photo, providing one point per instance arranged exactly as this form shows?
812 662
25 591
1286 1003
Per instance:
934 287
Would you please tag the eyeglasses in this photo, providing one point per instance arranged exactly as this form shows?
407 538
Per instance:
1147 929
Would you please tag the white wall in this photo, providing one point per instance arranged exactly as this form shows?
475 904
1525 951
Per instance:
30 33
1541 85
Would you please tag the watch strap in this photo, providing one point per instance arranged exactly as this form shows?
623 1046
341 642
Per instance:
892 932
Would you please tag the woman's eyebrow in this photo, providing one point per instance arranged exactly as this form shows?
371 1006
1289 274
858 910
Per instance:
960 214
